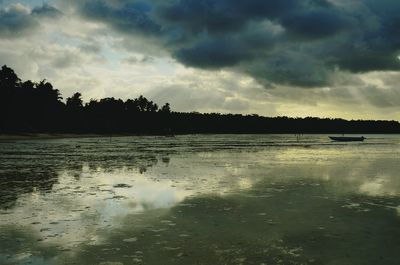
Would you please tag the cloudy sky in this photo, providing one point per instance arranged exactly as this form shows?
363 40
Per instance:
325 58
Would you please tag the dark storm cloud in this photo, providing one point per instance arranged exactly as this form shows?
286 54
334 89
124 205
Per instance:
223 15
290 67
314 24
214 53
17 20
125 17
46 10
298 43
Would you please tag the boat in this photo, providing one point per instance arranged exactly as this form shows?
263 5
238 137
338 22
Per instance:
347 138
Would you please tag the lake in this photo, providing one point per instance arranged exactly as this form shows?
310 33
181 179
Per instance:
200 199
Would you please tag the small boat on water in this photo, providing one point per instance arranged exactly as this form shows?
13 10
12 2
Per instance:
347 138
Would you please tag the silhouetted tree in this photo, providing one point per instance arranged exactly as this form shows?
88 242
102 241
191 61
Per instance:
47 93
8 78
165 108
131 106
151 106
33 107
142 103
75 102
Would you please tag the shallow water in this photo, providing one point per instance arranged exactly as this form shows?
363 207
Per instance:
201 199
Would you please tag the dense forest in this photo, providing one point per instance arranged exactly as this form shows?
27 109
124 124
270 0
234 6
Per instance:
30 107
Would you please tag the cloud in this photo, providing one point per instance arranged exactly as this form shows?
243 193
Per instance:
46 10
17 20
136 60
127 18
91 48
212 54
67 59
290 66
301 43
314 24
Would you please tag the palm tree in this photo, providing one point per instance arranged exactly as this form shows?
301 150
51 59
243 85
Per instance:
75 102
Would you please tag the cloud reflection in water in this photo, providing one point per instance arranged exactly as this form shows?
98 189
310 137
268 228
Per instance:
272 204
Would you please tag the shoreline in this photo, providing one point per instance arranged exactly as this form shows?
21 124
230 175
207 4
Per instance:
44 136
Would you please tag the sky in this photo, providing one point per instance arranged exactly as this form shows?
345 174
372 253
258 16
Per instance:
322 58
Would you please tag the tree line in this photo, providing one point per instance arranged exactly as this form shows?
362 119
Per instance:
29 107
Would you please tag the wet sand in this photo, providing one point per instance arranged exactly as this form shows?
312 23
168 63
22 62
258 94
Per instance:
218 199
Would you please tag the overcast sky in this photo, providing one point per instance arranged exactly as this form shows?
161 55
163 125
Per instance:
325 58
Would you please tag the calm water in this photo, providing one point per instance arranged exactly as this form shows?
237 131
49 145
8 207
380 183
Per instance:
222 199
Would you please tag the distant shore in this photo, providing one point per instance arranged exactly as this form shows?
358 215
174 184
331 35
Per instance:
34 110
41 136
31 136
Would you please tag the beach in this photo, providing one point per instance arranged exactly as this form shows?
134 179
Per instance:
212 199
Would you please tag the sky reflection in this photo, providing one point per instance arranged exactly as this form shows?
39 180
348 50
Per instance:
143 203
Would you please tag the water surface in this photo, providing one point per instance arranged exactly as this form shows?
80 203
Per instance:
200 199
